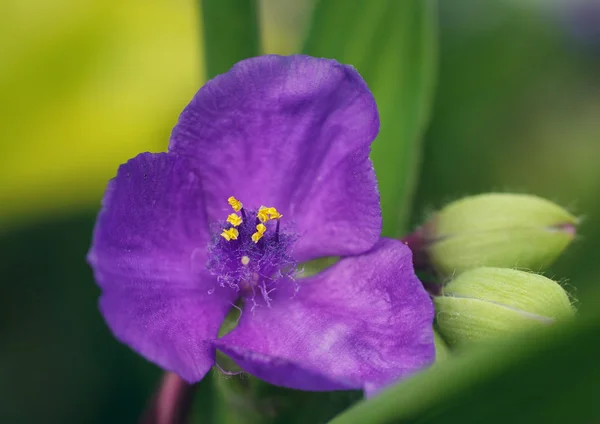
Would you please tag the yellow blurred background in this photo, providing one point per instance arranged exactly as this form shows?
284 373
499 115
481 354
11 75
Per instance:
86 85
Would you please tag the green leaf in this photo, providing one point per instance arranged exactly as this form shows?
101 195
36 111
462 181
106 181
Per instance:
231 33
393 45
549 376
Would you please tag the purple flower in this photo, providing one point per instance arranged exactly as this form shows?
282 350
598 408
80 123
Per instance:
174 247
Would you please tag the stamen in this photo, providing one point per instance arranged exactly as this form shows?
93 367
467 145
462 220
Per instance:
260 231
234 219
230 234
235 203
255 260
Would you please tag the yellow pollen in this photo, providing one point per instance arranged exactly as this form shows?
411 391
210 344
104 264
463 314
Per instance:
245 260
234 219
230 234
235 204
260 231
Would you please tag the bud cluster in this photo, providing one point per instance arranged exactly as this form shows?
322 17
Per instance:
484 247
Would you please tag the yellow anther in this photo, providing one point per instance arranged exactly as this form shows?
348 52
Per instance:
230 234
234 219
260 231
266 214
245 260
262 215
273 214
235 204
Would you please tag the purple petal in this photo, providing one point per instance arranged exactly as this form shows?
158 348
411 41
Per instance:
172 329
283 372
149 255
293 133
363 323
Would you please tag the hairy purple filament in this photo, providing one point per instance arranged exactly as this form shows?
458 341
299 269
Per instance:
252 268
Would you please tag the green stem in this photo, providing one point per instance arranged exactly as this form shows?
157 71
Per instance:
231 33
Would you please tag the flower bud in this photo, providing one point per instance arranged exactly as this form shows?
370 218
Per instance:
485 303
496 229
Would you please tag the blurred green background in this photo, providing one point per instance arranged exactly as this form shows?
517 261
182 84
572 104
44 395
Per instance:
87 84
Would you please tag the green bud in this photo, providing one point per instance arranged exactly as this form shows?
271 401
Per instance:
496 229
485 303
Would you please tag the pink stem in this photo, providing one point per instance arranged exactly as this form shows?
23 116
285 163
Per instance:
172 402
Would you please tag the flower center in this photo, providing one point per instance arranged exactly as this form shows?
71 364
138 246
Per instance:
250 253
